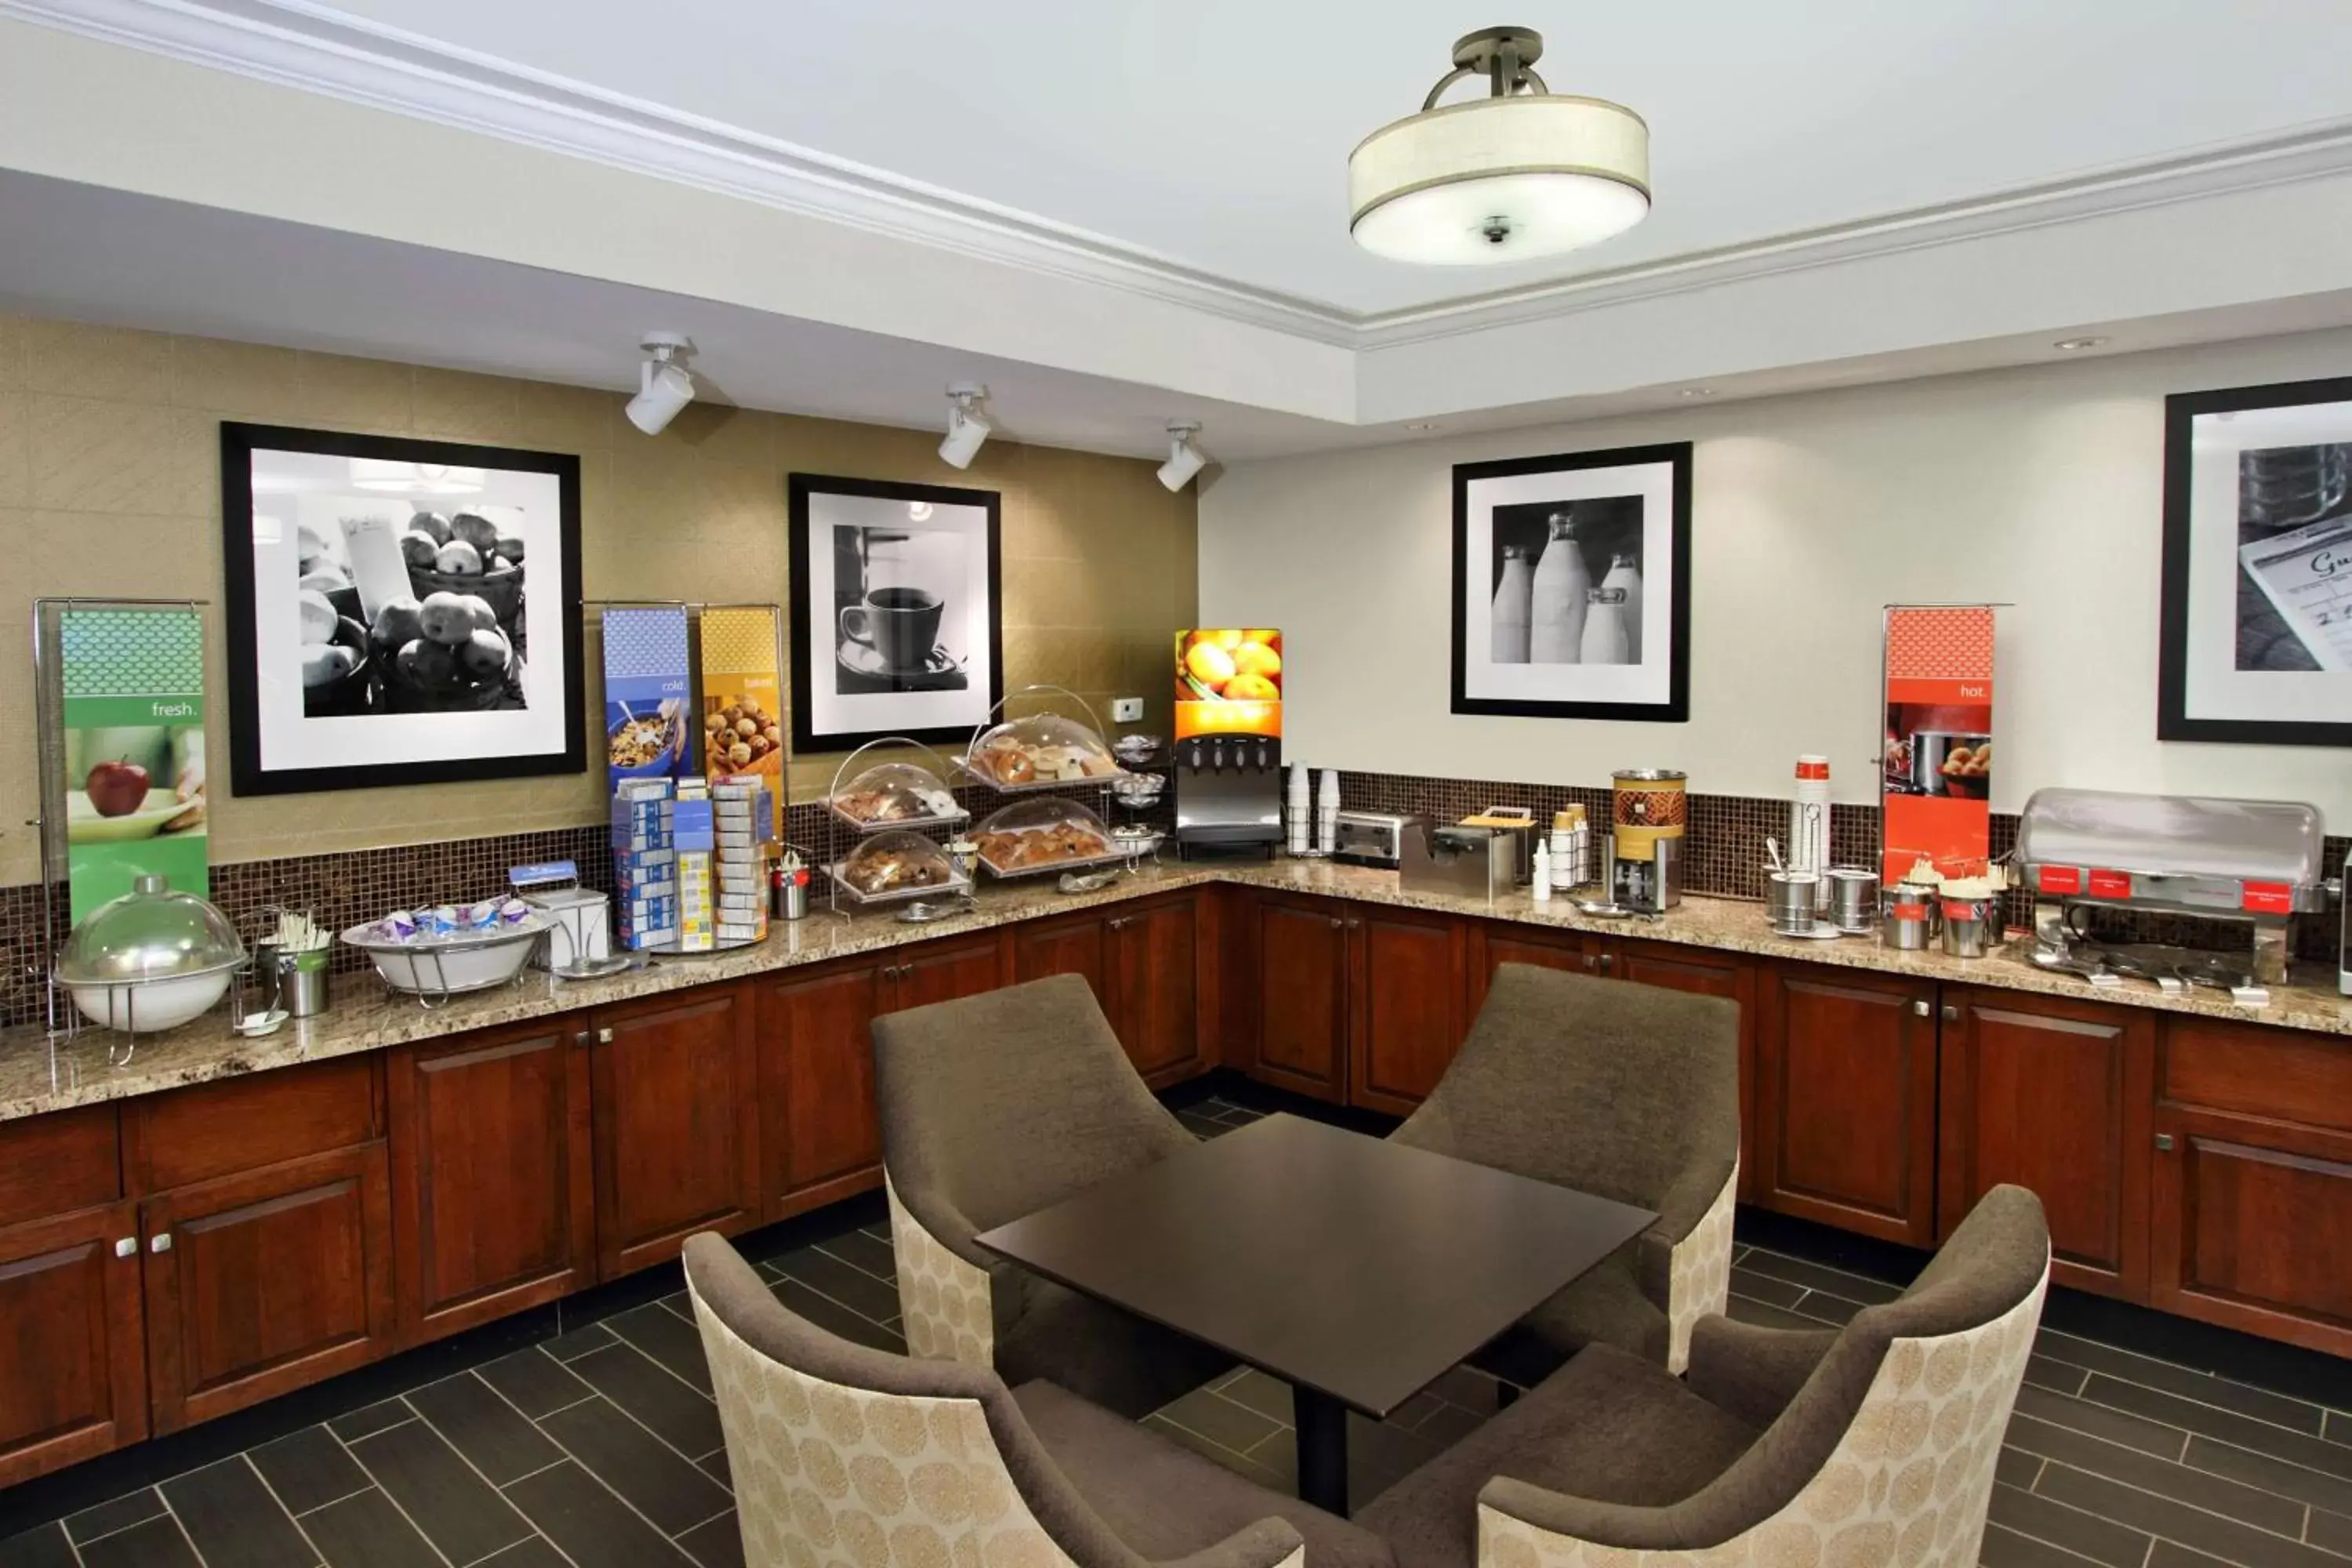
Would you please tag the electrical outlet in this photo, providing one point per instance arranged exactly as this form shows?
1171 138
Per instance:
1126 710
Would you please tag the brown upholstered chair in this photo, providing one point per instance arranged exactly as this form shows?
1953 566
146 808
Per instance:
1873 1443
1628 1091
994 1107
841 1452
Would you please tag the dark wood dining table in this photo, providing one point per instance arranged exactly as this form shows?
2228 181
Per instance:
1357 1270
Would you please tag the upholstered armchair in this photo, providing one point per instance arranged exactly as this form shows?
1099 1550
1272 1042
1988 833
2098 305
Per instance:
1871 1443
1628 1091
841 1452
994 1107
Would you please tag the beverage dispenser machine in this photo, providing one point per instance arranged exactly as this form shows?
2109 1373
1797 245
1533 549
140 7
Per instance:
1228 742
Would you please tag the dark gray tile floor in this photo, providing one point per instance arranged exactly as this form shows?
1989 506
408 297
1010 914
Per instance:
602 1447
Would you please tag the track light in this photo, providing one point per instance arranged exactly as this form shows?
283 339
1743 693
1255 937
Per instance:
967 426
1184 459
664 386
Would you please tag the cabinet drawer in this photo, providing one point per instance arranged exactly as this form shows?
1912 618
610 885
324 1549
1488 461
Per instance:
242 1124
56 1163
2257 1071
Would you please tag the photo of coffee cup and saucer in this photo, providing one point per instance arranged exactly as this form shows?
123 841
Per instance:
890 641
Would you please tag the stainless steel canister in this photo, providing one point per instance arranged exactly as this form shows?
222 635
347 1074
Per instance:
1853 898
1971 927
1910 920
1789 900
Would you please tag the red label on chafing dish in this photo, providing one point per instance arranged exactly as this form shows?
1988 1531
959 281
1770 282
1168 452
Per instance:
2266 899
2059 878
2111 884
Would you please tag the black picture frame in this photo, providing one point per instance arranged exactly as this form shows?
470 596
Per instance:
239 443
2174 722
1675 456
803 491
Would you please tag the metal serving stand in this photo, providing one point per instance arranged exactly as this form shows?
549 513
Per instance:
2255 864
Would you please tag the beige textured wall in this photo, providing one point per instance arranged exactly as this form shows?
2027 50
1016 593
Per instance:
110 485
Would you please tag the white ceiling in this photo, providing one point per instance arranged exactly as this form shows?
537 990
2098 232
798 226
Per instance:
1215 132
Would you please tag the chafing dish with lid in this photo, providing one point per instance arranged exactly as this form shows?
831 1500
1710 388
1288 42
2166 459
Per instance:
2254 862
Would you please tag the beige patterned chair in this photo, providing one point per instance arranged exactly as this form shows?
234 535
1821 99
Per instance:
1628 1091
994 1107
841 1454
1867 1447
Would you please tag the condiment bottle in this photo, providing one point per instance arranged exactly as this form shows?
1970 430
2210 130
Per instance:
1543 872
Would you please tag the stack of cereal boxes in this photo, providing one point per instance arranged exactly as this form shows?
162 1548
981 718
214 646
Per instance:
744 822
645 863
695 930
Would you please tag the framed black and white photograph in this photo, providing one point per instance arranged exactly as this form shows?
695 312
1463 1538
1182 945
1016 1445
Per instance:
1572 585
895 627
2256 637
398 611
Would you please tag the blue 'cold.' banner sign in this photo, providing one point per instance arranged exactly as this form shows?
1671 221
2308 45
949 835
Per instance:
649 719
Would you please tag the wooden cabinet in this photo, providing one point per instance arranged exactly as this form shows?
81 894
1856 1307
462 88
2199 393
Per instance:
492 1173
1696 970
1493 944
2251 1197
1072 945
263 1281
677 1111
823 1135
1847 1100
2050 1094
1301 1024
73 1377
1153 967
1405 1012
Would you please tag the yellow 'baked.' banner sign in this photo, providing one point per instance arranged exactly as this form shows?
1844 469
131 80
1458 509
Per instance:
742 698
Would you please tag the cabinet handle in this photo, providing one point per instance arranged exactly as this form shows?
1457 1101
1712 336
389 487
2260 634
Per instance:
581 1038
161 1242
1118 925
1951 1013
1355 925
1591 963
2164 1142
1607 962
1923 1008
1336 922
127 1247
604 1036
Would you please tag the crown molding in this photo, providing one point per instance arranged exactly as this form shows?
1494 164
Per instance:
2307 152
290 43
301 44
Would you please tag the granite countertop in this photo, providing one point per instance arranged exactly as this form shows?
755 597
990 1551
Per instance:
36 1076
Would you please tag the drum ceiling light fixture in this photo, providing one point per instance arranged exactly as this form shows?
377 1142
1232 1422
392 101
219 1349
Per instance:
1520 174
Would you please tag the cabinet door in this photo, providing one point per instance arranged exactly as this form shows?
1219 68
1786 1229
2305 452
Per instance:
1405 1013
1154 965
1846 1101
817 1085
678 1124
72 1371
944 971
265 1281
1302 996
1679 968
493 1177
2253 1226
1492 945
2053 1095
1075 946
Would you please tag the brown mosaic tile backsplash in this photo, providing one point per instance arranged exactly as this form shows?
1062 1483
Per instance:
1726 844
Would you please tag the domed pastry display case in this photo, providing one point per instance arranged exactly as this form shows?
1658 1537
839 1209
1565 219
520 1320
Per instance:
893 794
896 865
151 959
1034 835
1041 750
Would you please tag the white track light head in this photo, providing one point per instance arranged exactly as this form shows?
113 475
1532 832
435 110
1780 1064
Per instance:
967 429
1184 459
664 386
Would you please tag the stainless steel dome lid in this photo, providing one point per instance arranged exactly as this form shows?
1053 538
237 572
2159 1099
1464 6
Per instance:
149 933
